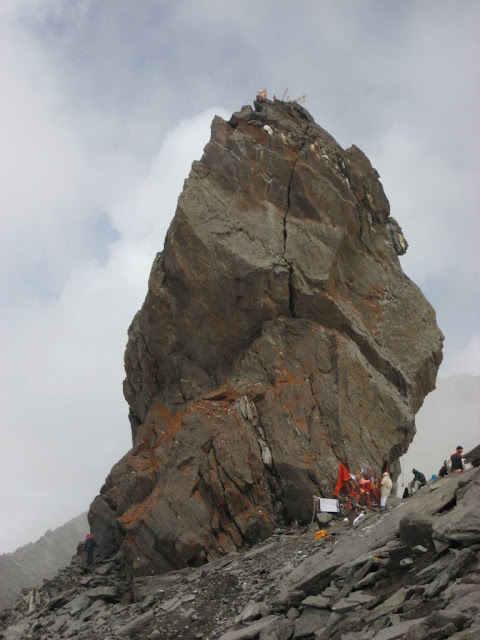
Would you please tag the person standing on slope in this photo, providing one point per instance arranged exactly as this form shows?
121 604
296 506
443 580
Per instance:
352 502
89 547
385 489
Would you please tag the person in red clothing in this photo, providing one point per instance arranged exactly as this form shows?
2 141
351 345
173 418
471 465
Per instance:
456 462
352 501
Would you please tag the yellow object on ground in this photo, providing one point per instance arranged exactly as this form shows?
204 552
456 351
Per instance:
320 534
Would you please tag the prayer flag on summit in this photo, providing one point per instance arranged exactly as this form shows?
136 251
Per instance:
343 476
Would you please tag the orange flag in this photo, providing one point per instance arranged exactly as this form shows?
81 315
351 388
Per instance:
343 476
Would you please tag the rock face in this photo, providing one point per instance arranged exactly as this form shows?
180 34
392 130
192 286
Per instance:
279 335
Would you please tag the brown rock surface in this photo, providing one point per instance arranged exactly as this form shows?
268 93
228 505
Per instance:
278 336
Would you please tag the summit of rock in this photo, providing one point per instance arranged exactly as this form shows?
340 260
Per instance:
279 336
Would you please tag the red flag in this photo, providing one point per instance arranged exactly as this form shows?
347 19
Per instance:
343 476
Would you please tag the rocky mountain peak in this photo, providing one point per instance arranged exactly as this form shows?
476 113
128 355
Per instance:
279 336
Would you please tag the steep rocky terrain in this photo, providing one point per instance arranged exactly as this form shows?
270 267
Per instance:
411 573
30 564
279 335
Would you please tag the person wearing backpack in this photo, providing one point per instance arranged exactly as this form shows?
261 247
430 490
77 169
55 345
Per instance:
89 548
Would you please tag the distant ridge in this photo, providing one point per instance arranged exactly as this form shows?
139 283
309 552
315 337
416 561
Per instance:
32 563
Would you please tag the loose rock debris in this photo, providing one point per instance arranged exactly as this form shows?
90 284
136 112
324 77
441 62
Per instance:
369 583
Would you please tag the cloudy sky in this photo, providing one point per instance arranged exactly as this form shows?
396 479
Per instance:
105 105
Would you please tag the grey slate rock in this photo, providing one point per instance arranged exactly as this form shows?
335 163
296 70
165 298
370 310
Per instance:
102 593
389 605
367 581
249 632
442 618
136 625
318 602
278 630
464 560
398 631
429 573
310 621
242 579
252 611
354 601
416 529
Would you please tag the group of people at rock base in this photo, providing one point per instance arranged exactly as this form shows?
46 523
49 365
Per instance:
367 491
454 464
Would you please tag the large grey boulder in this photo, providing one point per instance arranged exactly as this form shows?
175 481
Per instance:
416 529
279 335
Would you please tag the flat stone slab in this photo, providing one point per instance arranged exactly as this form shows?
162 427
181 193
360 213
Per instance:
79 603
104 569
253 611
171 605
398 630
310 621
318 602
135 626
102 593
388 605
247 633
352 602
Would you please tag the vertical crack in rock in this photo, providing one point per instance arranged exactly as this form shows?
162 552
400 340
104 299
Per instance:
291 289
226 508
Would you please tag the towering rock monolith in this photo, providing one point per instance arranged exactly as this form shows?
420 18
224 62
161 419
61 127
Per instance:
279 335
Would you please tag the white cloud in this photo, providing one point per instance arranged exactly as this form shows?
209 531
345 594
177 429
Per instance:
66 421
146 212
466 360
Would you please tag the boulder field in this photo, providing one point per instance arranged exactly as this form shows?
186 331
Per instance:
410 573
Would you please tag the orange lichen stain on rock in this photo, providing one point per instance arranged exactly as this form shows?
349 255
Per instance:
129 541
285 376
252 131
140 460
168 425
301 423
160 410
197 496
140 510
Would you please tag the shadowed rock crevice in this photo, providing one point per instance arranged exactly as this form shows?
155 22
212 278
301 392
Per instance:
279 327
